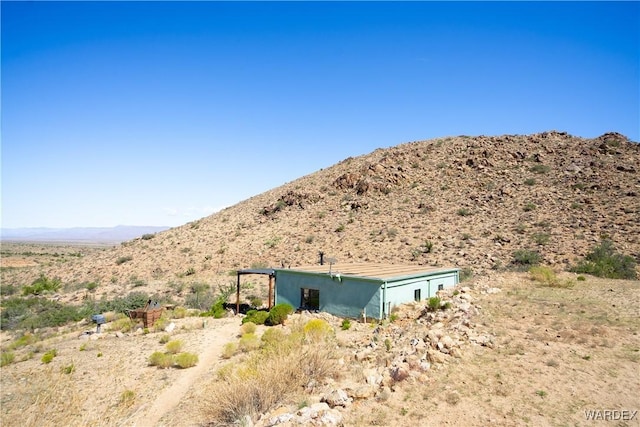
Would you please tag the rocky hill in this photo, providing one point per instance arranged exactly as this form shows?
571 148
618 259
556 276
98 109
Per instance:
463 201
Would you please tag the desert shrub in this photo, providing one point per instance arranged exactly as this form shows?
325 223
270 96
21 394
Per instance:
161 360
124 304
547 277
216 311
346 324
165 338
581 278
317 330
186 360
278 314
229 349
272 337
528 207
24 340
7 358
48 356
530 181
526 258
68 369
255 301
267 378
127 398
179 312
539 169
433 303
249 342
463 212
542 274
148 236
248 328
605 261
466 274
42 285
32 313
174 346
541 238
123 324
257 317
123 259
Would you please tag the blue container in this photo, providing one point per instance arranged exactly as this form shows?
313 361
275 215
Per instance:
98 319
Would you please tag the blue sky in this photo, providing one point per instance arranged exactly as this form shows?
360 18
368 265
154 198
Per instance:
147 113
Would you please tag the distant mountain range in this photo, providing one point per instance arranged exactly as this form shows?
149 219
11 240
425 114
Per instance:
116 234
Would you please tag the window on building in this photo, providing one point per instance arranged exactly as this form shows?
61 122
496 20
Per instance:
440 287
416 295
309 299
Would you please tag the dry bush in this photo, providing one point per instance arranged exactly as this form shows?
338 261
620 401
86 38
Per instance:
248 328
268 377
316 330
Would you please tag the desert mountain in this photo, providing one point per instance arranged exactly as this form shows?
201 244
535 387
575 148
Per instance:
462 201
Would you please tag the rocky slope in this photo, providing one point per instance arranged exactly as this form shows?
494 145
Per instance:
464 201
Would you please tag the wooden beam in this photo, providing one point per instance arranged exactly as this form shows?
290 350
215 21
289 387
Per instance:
238 296
270 291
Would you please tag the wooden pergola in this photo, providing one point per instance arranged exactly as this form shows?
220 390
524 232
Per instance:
266 271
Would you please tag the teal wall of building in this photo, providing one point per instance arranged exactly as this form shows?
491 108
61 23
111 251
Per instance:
347 296
403 291
344 296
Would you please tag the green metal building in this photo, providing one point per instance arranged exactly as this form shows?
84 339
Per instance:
357 290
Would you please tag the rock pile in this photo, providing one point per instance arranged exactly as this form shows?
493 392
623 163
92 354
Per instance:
420 339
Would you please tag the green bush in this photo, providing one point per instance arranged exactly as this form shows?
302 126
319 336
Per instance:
7 358
526 258
186 360
123 259
32 313
433 303
278 314
248 328
258 317
346 324
249 342
604 261
174 347
48 356
41 285
317 330
161 360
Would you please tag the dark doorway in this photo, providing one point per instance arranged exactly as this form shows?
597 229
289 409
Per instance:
416 295
309 299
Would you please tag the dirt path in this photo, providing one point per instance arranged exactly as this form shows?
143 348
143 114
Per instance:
213 337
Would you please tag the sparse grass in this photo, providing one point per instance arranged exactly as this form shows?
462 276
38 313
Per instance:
7 358
248 342
127 398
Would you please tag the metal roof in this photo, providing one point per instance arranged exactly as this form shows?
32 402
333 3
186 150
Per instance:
371 270
269 271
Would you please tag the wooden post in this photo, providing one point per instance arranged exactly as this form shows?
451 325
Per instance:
270 291
238 296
